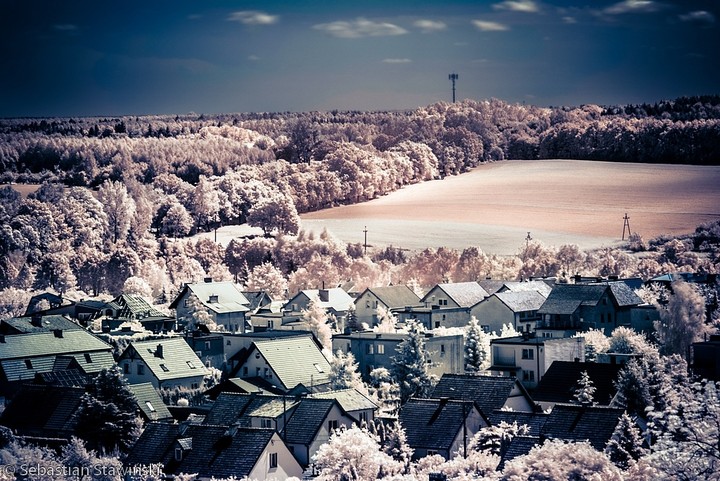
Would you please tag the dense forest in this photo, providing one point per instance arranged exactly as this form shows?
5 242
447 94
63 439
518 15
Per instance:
119 195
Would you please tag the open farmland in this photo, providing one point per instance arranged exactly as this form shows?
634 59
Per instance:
557 201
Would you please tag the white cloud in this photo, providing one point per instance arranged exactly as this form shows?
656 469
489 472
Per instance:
487 26
253 58
569 20
360 27
428 26
699 16
632 6
527 6
397 60
253 17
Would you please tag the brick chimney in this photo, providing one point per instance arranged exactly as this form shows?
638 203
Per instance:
159 351
36 320
324 295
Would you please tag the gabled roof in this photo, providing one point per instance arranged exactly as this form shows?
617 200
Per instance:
349 399
150 402
534 421
559 382
492 286
488 392
307 419
394 296
464 294
521 301
26 324
337 298
24 355
542 287
433 423
574 422
169 358
236 408
294 360
220 297
257 299
43 411
565 299
624 295
209 451
134 306
519 446
73 377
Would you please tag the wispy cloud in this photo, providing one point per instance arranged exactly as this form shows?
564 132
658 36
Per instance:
487 26
429 26
360 27
632 6
527 6
699 16
397 60
253 17
253 58
569 20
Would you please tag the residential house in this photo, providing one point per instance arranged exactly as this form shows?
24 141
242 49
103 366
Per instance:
23 356
560 382
518 309
223 301
705 358
440 426
354 402
305 423
236 346
36 323
391 298
374 349
336 302
575 422
578 307
209 348
527 357
287 363
165 363
447 305
43 301
130 307
265 313
487 392
542 286
215 452
150 405
233 385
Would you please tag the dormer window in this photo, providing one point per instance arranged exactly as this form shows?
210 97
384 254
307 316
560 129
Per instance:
190 364
213 299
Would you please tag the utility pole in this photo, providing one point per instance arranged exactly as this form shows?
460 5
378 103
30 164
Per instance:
453 77
626 225
527 240
365 244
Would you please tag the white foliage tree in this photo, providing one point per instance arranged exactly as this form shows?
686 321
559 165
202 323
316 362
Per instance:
682 322
476 353
344 372
386 322
585 392
119 209
410 366
316 317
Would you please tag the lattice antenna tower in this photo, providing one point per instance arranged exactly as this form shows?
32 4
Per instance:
453 77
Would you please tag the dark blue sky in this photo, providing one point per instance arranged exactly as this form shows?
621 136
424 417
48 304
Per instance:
72 58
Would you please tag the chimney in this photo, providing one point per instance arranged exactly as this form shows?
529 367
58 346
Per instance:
36 320
58 333
159 351
324 295
207 280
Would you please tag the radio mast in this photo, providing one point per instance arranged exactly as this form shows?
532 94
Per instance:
453 77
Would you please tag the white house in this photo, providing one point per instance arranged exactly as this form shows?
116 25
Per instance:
223 301
165 363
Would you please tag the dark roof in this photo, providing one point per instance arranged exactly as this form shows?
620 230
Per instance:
73 377
492 286
350 399
433 423
519 446
257 299
534 421
134 306
521 301
45 411
559 382
574 422
566 298
488 392
209 451
231 408
307 419
624 295
23 325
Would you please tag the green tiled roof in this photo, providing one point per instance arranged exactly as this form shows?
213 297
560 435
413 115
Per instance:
175 359
149 402
295 360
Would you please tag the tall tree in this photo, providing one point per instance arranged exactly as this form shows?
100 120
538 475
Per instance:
410 366
344 372
317 318
682 322
626 444
585 392
475 353
119 209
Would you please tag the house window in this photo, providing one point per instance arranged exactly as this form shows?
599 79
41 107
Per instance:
381 348
150 406
367 304
442 302
186 303
194 385
431 452
141 369
362 417
266 423
273 461
267 371
28 363
207 345
332 425
126 368
164 368
442 350
486 329
437 323
370 348
190 364
318 367
257 371
270 324
88 359
213 298
178 451
529 376
227 343
528 354
245 371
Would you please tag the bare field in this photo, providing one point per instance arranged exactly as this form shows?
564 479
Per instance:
558 201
